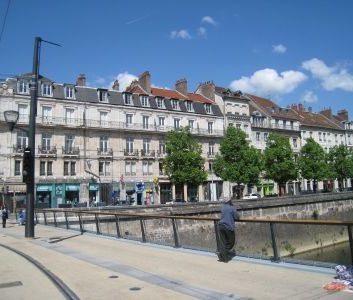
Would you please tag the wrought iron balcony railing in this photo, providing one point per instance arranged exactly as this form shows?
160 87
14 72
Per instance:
71 150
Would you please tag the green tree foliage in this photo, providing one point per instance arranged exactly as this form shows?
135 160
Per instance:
238 161
184 162
279 161
340 159
312 162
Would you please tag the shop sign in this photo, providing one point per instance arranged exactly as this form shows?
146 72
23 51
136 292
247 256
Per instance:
72 188
44 188
59 189
93 187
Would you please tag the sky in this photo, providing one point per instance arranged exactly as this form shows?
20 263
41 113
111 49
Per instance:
288 51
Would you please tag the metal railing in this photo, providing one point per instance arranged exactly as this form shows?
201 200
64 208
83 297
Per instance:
179 231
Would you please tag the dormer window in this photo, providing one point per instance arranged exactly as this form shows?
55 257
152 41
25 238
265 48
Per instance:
103 95
128 99
46 90
23 87
189 106
208 108
145 101
160 102
69 92
175 104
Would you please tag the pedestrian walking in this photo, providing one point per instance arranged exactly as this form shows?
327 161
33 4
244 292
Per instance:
4 215
226 227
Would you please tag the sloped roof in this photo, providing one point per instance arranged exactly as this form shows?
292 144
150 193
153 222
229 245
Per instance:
199 98
166 93
315 119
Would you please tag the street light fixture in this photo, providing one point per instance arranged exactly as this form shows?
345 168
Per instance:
11 118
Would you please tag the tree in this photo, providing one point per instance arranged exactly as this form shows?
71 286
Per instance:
184 163
341 162
312 162
279 161
237 162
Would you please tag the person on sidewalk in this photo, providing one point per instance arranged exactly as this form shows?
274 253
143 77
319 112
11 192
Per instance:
4 215
226 227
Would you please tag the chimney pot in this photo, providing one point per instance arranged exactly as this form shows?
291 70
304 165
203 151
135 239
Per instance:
145 81
115 86
81 80
182 86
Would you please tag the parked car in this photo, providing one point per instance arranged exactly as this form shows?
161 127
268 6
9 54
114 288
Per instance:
252 196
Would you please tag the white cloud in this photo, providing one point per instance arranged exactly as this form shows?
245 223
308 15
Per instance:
181 34
268 81
310 97
279 48
202 32
124 80
331 78
208 20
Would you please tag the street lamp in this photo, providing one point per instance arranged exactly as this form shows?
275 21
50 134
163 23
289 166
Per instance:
11 118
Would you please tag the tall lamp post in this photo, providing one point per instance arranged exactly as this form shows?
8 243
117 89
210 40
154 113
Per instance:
29 155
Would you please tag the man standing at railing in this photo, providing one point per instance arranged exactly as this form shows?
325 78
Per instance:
226 231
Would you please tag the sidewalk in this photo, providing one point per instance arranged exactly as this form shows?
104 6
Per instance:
96 267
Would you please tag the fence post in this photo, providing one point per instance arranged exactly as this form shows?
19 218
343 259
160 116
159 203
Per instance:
216 231
117 227
350 236
176 235
66 220
143 231
36 214
56 224
80 221
97 223
274 243
45 218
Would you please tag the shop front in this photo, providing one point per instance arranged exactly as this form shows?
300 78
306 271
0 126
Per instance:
45 197
93 190
72 193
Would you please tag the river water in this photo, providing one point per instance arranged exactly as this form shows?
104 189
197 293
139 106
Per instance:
339 254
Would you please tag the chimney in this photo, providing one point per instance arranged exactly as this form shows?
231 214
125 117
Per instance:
310 109
115 86
342 115
327 112
182 86
81 80
300 107
208 90
145 81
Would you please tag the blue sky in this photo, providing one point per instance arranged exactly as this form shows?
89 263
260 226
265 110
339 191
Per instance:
289 51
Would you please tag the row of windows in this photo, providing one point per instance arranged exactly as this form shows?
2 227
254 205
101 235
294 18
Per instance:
258 138
46 89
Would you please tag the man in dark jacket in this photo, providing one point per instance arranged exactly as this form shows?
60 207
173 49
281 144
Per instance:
226 228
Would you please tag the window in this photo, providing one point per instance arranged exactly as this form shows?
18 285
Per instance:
175 104
191 124
336 138
47 114
128 118
46 89
320 139
145 101
69 142
161 169
22 140
103 95
46 141
258 136
162 148
49 168
189 106
69 168
160 102
23 87
211 148
210 127
176 123
210 167
104 168
277 123
69 115
129 145
146 145
238 126
161 121
128 99
23 110
208 108
284 124
291 124
265 136
130 168
18 167
295 145
147 168
69 92
145 120
311 134
103 144
324 135
103 115
42 168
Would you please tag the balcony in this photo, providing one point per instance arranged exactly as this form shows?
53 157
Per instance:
161 154
105 152
132 154
71 151
47 150
148 154
19 149
211 154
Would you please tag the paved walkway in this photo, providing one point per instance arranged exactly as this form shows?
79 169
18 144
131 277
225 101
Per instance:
96 267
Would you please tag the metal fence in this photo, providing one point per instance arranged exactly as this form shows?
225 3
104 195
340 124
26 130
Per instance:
274 239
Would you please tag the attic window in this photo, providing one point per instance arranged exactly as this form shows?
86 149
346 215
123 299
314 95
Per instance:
103 95
23 87
46 89
69 92
175 104
128 99
160 102
145 101
189 106
208 108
